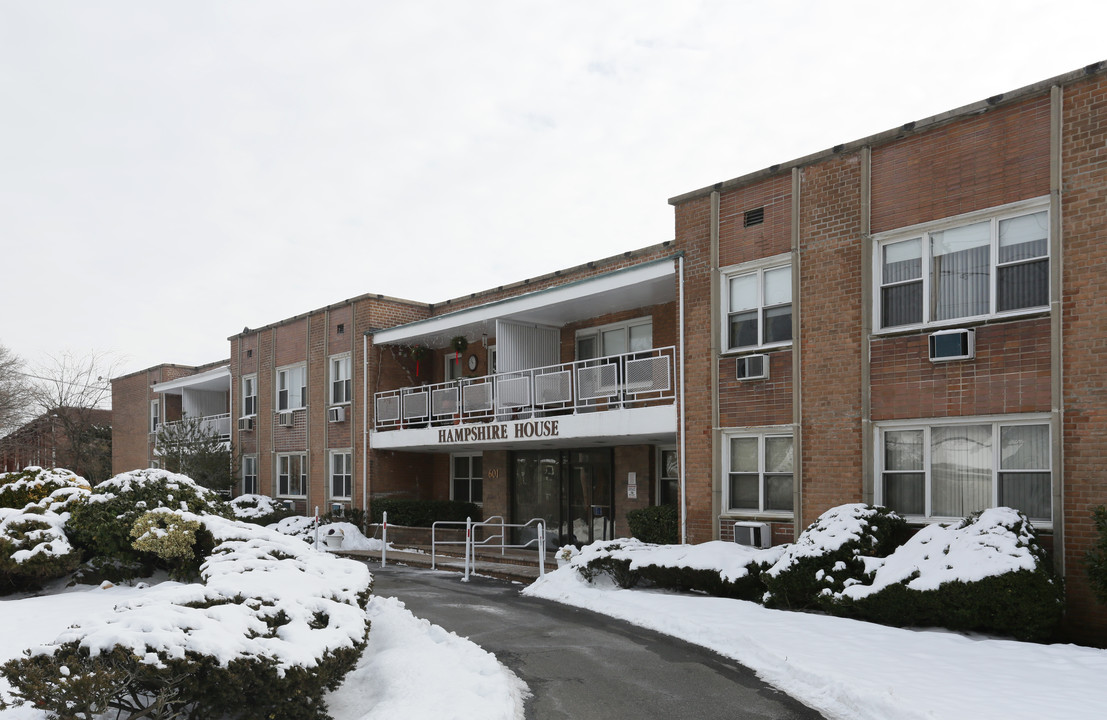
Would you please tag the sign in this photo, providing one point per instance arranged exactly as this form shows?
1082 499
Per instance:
490 432
632 492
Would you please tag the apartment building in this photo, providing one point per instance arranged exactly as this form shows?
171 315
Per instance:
913 319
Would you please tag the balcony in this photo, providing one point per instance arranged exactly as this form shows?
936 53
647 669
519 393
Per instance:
217 426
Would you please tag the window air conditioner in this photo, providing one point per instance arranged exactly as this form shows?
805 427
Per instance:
245 424
337 509
752 367
336 414
754 534
948 345
284 419
288 505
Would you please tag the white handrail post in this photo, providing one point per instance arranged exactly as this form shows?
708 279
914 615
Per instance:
541 549
503 532
384 538
434 526
316 527
468 546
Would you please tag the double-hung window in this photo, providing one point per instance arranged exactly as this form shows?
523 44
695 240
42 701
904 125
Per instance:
341 475
983 265
341 390
292 475
291 387
758 302
250 474
950 469
759 472
615 339
466 478
155 415
249 395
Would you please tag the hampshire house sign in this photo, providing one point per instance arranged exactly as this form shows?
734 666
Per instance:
499 431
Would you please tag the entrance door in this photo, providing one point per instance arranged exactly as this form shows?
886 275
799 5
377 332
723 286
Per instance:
571 490
591 497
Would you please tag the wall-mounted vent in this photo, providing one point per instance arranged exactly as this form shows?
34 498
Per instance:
946 345
752 367
284 419
754 217
753 534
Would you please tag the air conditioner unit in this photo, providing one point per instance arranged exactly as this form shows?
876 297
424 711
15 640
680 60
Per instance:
336 414
946 345
288 505
245 424
284 419
754 534
752 367
337 509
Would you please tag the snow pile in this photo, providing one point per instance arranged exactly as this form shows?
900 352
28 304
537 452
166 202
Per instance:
32 533
253 507
51 490
837 528
730 560
304 528
146 485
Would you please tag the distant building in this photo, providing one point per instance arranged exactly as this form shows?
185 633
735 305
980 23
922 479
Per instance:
915 319
78 439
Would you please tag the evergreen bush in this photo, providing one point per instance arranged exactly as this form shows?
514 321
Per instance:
423 513
657 524
1096 558
33 549
34 484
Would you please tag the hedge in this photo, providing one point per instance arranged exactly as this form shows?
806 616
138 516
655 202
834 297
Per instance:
423 513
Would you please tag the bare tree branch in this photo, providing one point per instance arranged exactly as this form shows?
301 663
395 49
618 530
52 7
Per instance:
15 398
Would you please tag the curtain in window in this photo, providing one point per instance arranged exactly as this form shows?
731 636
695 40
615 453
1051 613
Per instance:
1024 477
778 473
743 473
960 272
904 479
901 299
961 469
743 311
1025 284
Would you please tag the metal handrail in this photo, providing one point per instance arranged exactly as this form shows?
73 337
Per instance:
435 543
470 559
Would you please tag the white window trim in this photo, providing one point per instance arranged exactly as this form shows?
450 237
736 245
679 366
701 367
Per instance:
254 379
245 459
448 360
760 433
759 266
154 421
922 230
454 477
661 450
926 423
277 388
348 452
599 330
303 473
331 379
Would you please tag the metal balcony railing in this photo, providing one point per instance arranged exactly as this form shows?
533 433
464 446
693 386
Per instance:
218 425
629 380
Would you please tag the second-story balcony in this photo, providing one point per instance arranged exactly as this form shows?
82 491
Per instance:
217 427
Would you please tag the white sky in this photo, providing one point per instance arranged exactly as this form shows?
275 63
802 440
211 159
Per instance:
172 172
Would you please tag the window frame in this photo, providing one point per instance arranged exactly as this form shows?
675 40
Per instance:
249 382
756 267
663 479
924 232
996 423
248 462
155 416
348 474
471 477
761 434
597 333
288 369
285 491
334 378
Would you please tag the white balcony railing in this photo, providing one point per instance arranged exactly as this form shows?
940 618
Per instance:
637 379
217 425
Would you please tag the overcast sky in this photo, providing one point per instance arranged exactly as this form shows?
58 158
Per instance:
172 172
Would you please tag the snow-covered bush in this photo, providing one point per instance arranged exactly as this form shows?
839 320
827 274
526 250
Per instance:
988 573
33 548
610 558
259 509
35 484
830 554
270 628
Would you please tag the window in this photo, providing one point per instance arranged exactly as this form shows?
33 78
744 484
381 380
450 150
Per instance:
953 469
615 339
991 265
759 472
292 475
341 391
341 475
155 416
453 366
758 305
250 475
249 395
668 477
291 388
466 478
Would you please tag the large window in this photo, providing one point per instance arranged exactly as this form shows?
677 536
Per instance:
249 395
759 472
977 268
291 388
341 391
250 475
466 478
615 339
292 475
758 302
341 475
953 469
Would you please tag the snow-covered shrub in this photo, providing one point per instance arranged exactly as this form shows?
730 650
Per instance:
259 509
101 523
180 544
656 524
1097 557
989 573
830 554
605 558
35 484
33 548
270 628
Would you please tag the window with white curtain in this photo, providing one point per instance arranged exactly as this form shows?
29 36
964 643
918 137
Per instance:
986 264
341 383
759 472
291 387
292 475
249 395
342 478
250 474
951 469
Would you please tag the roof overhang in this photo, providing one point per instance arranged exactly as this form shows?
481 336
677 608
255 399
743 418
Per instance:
626 289
217 380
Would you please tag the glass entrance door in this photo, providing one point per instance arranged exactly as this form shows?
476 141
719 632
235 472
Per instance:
590 497
571 490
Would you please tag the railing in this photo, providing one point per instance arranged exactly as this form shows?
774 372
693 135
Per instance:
495 521
217 425
614 382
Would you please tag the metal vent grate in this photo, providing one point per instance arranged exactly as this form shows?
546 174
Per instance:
754 217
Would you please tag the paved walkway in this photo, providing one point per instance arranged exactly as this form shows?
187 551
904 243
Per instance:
581 665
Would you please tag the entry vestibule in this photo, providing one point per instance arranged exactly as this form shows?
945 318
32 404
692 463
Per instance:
572 490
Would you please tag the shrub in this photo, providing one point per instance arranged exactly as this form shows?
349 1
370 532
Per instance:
1096 558
423 513
179 543
656 524
989 573
259 509
33 549
34 484
829 554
